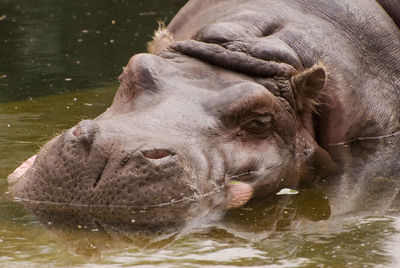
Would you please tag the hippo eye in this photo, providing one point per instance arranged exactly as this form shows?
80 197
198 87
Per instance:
257 126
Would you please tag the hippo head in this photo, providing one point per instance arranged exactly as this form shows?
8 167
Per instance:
180 128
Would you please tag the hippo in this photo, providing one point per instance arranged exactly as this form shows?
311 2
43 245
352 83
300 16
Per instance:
235 99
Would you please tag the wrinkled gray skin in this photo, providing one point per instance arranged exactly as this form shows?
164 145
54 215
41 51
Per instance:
251 91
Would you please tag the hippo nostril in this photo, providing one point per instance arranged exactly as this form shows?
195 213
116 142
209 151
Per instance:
77 131
85 131
157 153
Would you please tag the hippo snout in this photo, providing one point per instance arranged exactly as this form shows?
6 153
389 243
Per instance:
82 167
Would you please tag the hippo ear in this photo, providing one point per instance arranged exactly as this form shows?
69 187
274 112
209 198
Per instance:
309 85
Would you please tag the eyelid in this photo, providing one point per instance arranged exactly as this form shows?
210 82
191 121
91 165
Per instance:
244 106
257 125
265 118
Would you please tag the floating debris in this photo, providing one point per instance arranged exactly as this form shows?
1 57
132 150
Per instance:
287 191
150 13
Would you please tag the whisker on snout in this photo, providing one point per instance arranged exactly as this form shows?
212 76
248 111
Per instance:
255 175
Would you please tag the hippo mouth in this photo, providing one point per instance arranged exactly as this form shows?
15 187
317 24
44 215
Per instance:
237 190
83 173
127 210
187 200
250 178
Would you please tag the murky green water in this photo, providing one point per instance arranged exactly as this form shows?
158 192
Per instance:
59 64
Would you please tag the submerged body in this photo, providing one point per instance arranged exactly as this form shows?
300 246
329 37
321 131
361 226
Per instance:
239 98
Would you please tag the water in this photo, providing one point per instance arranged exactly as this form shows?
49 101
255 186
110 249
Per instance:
50 47
56 70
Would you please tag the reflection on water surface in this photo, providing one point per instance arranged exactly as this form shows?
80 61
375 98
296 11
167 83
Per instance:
68 47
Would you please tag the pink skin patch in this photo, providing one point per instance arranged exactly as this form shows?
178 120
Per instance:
20 171
240 193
